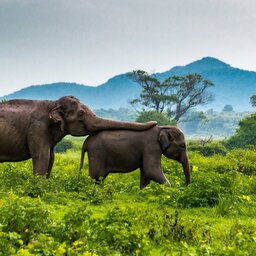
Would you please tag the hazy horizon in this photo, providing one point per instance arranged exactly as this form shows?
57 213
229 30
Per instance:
89 42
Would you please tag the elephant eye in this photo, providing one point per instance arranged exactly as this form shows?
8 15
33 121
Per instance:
183 145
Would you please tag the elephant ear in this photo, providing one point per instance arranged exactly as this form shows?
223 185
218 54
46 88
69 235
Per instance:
56 115
165 138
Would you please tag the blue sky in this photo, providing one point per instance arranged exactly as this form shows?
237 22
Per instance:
89 41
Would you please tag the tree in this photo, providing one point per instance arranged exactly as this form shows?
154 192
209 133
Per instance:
176 94
253 100
245 134
193 121
155 95
191 91
228 108
63 146
161 118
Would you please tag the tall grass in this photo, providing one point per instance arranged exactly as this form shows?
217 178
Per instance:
67 215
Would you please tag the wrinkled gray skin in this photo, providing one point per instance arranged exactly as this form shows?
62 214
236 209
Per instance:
124 151
31 129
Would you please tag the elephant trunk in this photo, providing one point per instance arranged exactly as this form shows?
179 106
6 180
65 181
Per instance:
186 168
96 124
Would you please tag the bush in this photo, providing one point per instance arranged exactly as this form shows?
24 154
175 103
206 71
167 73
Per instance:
206 190
115 233
209 149
9 242
24 217
161 118
63 146
243 160
118 231
67 215
245 134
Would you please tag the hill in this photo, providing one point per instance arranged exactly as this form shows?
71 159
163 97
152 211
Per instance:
115 93
232 86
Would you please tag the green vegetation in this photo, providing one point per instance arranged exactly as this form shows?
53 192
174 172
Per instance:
219 124
175 94
64 215
161 118
69 143
64 145
121 114
253 100
245 135
228 108
211 123
208 149
194 124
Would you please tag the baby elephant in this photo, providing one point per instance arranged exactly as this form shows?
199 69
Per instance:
122 151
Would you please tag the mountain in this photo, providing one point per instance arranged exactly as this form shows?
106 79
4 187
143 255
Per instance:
232 86
115 93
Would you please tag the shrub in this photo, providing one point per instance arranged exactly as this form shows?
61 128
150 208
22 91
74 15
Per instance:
43 245
67 215
63 146
206 190
115 233
209 149
23 216
243 160
9 242
161 118
118 231
245 134
73 226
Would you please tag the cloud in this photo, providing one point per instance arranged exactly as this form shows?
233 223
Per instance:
89 41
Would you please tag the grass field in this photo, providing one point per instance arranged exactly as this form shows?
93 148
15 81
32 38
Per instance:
64 215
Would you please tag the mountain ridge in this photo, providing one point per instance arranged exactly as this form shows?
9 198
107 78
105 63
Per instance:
233 86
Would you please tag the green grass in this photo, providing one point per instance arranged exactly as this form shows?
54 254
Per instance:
64 215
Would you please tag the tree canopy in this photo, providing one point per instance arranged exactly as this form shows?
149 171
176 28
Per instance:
161 118
228 108
253 100
245 134
175 95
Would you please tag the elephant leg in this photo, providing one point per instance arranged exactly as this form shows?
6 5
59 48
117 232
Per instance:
100 180
144 180
98 176
97 168
153 170
94 174
41 163
51 162
160 177
40 153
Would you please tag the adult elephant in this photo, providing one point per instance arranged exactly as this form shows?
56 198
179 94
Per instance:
31 128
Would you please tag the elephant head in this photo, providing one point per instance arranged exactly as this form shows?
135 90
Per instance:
173 146
77 119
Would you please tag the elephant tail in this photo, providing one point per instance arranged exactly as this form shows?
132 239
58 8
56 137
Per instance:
84 149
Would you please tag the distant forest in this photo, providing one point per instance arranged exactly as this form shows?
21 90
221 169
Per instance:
220 124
